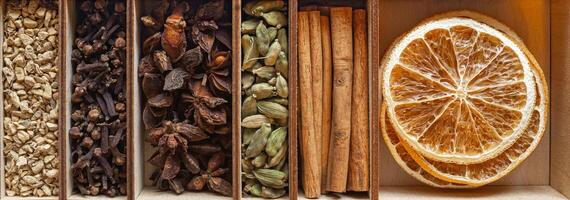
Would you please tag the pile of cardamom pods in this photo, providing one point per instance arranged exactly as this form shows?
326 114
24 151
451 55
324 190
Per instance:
265 99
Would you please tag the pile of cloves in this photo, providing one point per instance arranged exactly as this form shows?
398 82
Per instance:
99 117
186 80
265 99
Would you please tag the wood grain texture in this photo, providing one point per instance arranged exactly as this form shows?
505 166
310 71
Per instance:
373 8
327 97
293 103
310 171
342 46
560 99
358 167
236 99
317 81
131 79
528 18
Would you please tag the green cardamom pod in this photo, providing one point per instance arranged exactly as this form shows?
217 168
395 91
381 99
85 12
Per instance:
248 8
270 173
273 53
272 81
262 38
246 134
282 101
266 6
272 32
266 72
281 86
279 156
248 92
282 65
275 18
260 160
275 141
247 176
257 65
249 26
272 110
247 80
258 141
262 90
255 190
282 37
270 193
255 121
271 178
250 52
246 166
248 107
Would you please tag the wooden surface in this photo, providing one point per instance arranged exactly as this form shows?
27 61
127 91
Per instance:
132 78
137 142
236 99
560 98
485 193
293 103
67 25
373 8
528 18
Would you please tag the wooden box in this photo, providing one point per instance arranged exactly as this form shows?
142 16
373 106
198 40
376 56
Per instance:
60 128
69 14
371 7
544 25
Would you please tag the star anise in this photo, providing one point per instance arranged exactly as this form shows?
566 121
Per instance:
207 111
186 79
212 177
172 139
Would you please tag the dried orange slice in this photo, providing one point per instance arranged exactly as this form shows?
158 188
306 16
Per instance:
458 90
405 160
474 175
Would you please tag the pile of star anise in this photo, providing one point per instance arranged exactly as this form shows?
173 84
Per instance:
186 79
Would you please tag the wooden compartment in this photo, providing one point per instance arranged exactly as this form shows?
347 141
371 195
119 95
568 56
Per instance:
140 151
60 122
67 31
373 28
543 26
292 161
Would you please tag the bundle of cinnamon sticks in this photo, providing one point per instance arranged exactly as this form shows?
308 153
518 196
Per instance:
333 85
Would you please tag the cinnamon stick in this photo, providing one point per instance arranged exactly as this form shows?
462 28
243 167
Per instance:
317 77
311 177
341 37
358 170
327 96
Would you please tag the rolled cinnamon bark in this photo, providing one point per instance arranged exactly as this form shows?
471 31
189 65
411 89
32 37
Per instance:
327 96
341 37
358 170
317 77
311 173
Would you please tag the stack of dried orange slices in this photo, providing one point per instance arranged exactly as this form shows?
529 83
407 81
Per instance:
465 102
